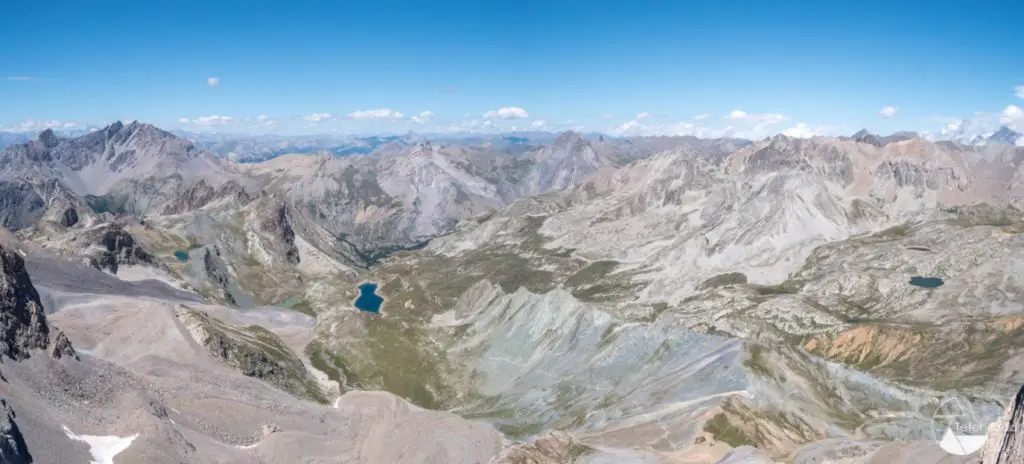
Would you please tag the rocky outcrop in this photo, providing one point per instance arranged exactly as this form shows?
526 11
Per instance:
202 193
69 217
277 224
254 351
12 444
62 347
197 196
1005 444
23 325
217 272
552 448
20 204
119 248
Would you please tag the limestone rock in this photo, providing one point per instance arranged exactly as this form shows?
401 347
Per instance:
12 444
23 324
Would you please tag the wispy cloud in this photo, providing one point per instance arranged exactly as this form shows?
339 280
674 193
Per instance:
1019 91
262 121
213 81
510 112
701 117
767 118
318 117
35 125
423 117
19 78
381 113
643 116
889 111
208 121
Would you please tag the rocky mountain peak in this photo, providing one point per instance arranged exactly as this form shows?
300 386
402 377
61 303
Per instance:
569 139
23 325
48 138
1004 136
113 128
863 136
860 134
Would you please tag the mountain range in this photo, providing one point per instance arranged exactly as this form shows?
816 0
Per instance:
547 299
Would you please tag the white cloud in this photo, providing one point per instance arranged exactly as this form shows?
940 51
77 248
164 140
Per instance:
889 111
540 125
212 81
637 128
318 117
33 125
642 116
423 117
511 112
701 117
381 113
766 118
1012 117
609 116
802 131
208 121
19 78
262 121
1019 91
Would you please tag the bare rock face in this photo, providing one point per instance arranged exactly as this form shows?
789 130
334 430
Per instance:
119 247
1005 444
69 217
22 321
277 223
12 444
553 448
62 347
20 204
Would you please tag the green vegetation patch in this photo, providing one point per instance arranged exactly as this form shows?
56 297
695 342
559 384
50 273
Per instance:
591 273
789 287
394 357
723 280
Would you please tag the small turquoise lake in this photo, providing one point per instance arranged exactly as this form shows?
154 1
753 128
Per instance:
926 282
182 255
369 300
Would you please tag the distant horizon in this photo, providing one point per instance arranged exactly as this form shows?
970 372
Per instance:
664 68
232 135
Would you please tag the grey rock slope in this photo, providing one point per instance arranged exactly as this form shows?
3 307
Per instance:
12 444
753 262
22 320
1005 443
146 388
134 168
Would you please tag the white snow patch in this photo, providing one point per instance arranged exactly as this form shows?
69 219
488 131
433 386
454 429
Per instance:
103 448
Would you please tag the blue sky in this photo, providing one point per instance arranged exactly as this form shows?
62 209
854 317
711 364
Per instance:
614 67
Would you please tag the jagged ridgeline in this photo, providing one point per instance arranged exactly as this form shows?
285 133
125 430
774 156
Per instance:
572 298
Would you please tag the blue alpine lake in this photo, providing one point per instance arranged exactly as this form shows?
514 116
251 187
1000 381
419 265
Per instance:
926 282
182 255
369 300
